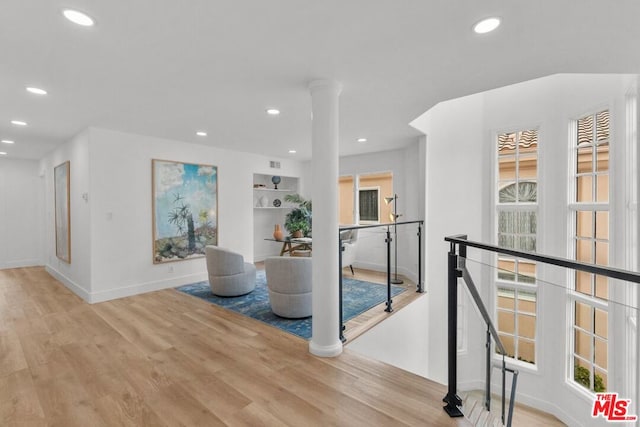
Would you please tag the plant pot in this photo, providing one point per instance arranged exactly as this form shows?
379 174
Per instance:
297 234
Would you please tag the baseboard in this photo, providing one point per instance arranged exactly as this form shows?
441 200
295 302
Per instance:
124 291
20 264
70 284
141 288
413 276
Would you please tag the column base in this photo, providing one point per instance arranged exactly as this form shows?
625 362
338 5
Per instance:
325 350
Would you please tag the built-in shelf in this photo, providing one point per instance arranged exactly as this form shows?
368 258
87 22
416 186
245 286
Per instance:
266 216
273 189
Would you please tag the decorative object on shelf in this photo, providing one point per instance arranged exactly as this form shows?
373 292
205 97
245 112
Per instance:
276 180
278 234
259 186
299 218
277 203
263 202
185 210
393 216
62 207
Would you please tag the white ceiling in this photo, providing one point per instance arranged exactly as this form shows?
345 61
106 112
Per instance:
167 68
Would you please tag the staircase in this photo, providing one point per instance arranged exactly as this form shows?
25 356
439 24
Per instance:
474 410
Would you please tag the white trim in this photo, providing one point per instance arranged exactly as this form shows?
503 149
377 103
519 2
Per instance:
516 206
124 291
573 206
631 356
140 288
21 263
73 286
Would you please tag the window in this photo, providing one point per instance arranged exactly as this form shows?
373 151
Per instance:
362 199
516 223
369 204
590 244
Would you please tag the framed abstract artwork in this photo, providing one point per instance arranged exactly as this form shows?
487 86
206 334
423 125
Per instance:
185 209
62 202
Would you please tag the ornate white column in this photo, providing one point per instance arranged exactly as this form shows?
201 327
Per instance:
325 340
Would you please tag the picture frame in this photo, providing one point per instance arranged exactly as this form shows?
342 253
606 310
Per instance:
62 208
184 209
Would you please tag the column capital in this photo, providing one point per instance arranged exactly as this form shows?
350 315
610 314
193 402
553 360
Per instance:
327 84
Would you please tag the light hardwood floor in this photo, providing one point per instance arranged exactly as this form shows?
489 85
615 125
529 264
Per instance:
168 359
165 358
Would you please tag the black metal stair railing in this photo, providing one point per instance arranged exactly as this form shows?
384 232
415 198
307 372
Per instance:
388 240
456 269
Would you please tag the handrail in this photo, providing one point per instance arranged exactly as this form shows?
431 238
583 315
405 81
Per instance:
615 273
386 224
388 240
473 290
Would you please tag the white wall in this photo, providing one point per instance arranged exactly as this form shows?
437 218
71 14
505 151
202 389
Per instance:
21 217
454 201
460 149
112 232
77 274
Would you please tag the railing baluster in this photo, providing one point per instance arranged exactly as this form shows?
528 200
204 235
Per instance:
388 240
420 285
451 399
341 324
487 385
504 375
514 382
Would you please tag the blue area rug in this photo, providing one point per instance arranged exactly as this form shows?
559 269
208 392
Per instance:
358 297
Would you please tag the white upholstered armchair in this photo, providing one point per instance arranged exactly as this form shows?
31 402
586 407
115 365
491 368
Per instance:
350 244
289 284
229 275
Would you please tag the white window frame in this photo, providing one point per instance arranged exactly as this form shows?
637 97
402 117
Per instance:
514 285
574 296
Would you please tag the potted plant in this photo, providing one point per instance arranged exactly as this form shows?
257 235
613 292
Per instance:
298 220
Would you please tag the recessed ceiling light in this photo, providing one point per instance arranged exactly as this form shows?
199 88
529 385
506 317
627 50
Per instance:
273 112
18 122
486 25
36 90
3 153
292 151
78 17
6 141
201 133
362 139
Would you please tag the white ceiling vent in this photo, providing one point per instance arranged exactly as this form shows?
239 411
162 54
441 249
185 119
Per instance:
274 165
